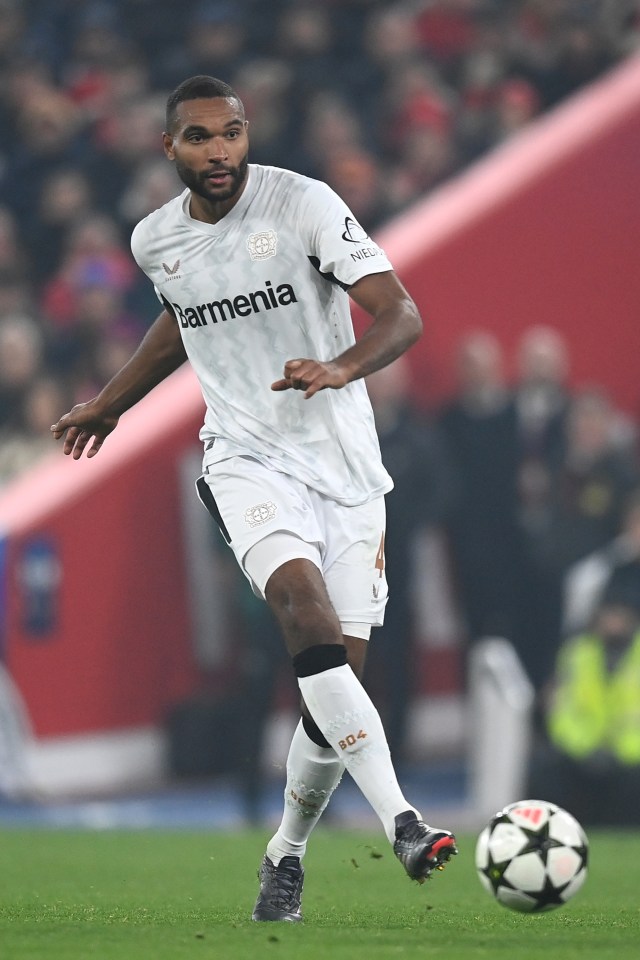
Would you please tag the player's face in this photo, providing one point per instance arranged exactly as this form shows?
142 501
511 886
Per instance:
209 145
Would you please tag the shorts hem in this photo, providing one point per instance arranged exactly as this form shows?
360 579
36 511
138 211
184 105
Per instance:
277 562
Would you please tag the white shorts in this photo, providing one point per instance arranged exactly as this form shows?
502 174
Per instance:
268 518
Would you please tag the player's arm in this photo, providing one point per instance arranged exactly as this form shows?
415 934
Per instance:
396 326
159 354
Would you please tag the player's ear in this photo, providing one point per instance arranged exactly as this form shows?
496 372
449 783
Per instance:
167 143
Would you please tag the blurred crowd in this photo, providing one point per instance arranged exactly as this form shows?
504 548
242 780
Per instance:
383 100
534 486
529 488
544 477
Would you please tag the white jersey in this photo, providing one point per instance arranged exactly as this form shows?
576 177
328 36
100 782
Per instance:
264 285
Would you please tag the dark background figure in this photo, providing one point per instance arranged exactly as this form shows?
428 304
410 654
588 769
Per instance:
421 499
617 562
541 400
264 682
479 431
237 696
581 512
590 761
22 349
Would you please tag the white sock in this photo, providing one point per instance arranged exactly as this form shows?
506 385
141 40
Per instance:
313 773
343 711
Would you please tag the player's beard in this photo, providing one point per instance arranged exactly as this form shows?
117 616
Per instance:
198 183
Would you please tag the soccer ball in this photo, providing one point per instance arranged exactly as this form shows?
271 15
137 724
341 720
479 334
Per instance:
532 856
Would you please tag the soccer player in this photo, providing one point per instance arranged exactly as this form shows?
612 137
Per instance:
252 265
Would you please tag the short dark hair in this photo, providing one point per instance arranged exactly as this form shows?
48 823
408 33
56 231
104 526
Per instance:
200 87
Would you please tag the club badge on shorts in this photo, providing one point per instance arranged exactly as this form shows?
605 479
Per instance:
261 513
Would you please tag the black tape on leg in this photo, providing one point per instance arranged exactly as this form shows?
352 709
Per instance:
314 732
317 659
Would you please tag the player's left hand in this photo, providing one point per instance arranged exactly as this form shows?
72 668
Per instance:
311 376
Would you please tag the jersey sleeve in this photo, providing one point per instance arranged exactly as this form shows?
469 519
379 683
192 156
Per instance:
139 245
336 243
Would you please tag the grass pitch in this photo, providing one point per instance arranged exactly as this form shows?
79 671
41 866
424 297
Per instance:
172 895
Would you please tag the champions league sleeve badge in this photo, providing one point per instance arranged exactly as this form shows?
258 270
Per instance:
262 246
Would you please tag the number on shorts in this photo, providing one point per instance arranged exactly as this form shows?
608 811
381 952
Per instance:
379 565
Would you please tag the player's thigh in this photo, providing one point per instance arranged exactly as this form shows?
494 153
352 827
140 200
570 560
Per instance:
256 507
354 565
297 595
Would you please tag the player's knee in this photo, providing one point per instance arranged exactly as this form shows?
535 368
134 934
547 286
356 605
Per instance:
306 627
317 659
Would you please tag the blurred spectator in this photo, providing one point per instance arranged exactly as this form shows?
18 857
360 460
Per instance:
484 67
94 254
517 104
581 513
416 99
21 355
479 430
416 132
153 184
256 680
562 46
103 336
263 680
128 142
214 41
358 179
388 41
16 295
590 487
86 304
28 439
332 130
11 27
591 763
266 87
101 56
618 563
64 201
390 38
420 500
304 41
447 29
425 160
541 402
49 136
13 262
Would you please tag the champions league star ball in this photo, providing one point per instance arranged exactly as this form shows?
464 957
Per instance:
532 856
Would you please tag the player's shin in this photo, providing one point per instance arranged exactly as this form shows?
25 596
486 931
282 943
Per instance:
313 773
349 721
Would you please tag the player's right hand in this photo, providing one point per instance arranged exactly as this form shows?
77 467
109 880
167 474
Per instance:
311 376
84 422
